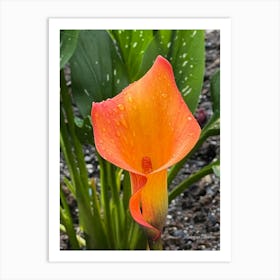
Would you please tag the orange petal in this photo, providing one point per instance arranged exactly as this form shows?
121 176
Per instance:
147 120
149 204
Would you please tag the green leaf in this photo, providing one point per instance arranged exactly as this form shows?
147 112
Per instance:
158 46
126 189
68 43
132 45
188 59
83 130
66 219
97 71
186 51
215 92
208 169
216 169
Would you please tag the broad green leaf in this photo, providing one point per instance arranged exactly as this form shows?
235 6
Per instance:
68 43
132 45
188 59
215 92
97 71
158 46
83 129
186 52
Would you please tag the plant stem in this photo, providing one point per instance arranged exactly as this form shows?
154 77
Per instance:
191 179
155 245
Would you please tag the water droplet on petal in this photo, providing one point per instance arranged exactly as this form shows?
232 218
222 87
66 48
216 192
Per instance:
123 122
189 118
164 95
130 99
121 107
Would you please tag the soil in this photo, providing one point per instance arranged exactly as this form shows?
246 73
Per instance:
193 220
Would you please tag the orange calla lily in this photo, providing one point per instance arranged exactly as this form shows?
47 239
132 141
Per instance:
145 129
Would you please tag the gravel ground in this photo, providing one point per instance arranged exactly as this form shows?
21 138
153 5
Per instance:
193 220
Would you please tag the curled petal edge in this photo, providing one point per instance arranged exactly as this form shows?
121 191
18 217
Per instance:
135 210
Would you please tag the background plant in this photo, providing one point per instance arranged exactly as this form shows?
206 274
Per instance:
102 63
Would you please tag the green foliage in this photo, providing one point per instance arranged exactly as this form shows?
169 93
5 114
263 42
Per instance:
83 129
106 62
102 63
97 71
132 45
185 51
68 43
215 93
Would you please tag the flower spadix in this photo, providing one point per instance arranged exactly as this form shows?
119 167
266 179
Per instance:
145 129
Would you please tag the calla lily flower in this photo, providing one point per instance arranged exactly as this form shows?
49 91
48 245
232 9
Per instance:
145 129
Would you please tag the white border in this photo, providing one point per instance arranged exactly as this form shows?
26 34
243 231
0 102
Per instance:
55 254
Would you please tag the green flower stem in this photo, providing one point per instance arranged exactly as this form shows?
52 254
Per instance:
136 239
192 179
81 241
155 245
116 201
210 130
67 222
85 217
94 198
67 106
105 200
91 222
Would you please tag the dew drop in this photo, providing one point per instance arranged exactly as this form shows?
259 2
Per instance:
164 95
169 44
189 118
123 122
130 99
193 34
134 45
121 107
86 92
